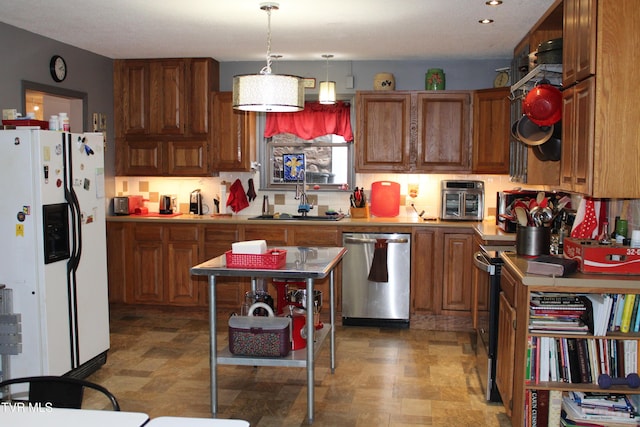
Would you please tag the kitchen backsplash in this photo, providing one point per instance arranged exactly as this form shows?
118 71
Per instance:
427 199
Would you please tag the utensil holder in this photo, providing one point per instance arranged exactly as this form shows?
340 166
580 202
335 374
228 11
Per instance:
360 212
533 241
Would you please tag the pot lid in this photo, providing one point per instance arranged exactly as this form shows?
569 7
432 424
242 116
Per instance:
532 134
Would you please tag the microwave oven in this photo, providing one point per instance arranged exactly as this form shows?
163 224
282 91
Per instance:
462 200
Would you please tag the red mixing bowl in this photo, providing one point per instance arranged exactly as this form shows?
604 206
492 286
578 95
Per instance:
543 105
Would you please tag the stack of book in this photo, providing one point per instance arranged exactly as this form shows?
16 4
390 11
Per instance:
598 409
549 265
559 313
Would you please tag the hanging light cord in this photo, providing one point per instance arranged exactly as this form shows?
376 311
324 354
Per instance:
267 68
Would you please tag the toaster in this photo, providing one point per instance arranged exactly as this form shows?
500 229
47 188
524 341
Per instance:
121 206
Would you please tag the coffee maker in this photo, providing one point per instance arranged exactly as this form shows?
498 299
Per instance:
195 202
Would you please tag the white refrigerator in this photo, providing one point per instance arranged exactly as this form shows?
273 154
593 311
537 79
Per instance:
53 254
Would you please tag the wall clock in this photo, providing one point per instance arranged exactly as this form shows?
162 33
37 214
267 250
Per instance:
58 68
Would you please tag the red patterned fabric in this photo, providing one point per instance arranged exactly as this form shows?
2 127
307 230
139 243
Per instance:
315 120
585 225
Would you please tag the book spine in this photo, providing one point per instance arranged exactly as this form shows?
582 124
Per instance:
555 408
534 408
583 361
543 408
574 362
625 322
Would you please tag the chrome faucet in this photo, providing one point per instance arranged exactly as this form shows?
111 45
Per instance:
301 194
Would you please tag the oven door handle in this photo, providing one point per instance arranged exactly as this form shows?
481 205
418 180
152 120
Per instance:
480 261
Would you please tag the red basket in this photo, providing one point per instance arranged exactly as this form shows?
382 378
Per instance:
272 260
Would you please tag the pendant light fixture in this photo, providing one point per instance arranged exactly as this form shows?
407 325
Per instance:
327 93
268 92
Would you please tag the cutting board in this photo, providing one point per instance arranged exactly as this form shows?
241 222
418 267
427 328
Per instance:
385 199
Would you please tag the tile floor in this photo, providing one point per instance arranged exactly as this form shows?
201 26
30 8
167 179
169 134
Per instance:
422 376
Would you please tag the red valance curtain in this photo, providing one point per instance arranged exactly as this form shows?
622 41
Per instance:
315 120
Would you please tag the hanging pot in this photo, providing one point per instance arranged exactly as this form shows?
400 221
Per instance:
514 131
552 149
532 134
543 104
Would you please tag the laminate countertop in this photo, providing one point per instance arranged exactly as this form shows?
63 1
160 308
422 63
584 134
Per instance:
518 265
485 228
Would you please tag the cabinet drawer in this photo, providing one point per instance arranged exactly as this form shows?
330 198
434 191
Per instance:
219 234
316 236
273 235
148 232
187 233
508 286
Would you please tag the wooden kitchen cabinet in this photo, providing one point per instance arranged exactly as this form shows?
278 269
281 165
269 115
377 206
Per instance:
383 131
441 282
456 275
233 136
182 253
161 109
444 132
417 131
229 290
424 279
491 125
579 41
578 137
146 265
596 119
506 339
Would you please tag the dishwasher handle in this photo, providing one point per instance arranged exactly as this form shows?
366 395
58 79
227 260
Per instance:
368 241
481 262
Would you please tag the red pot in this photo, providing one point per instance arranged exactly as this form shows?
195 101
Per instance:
543 105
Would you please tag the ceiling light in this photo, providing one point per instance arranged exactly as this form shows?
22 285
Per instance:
493 3
327 89
486 21
268 92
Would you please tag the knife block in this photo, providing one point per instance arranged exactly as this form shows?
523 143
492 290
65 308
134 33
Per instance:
359 212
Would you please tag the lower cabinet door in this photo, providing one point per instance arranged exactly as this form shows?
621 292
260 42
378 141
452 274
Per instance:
506 351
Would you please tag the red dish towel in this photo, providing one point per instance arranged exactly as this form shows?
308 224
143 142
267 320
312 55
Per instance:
379 271
237 198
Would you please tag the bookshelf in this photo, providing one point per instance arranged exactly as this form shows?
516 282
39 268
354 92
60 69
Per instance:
516 379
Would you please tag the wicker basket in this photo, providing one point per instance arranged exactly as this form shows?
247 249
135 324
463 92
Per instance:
272 260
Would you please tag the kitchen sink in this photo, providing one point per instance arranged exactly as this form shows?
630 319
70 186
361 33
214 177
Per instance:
285 217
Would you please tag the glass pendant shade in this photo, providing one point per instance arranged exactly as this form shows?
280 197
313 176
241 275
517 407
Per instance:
327 94
278 93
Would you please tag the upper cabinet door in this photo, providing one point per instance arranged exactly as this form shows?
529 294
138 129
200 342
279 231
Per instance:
579 40
233 136
168 97
131 87
491 116
201 83
383 131
443 137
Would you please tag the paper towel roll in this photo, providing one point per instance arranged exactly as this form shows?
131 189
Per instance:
253 247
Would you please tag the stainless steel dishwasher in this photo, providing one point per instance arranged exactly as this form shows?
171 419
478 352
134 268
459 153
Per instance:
376 274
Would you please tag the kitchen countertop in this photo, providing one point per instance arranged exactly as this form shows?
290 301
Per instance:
519 265
485 228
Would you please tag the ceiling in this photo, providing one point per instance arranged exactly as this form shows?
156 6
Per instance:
236 30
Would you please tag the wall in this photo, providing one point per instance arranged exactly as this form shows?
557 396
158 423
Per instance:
409 75
25 56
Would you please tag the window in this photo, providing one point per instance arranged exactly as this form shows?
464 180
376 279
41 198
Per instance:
327 160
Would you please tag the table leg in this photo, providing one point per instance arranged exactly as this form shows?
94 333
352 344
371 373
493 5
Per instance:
332 314
213 346
310 335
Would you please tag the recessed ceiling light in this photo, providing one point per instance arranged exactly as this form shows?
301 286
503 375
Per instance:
486 21
493 3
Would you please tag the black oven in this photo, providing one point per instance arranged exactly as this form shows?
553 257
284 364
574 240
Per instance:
489 265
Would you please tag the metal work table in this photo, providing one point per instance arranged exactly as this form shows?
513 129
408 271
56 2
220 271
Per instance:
302 263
